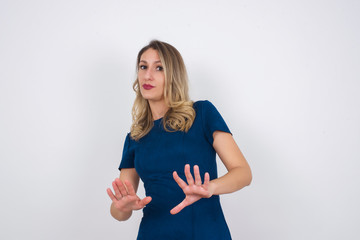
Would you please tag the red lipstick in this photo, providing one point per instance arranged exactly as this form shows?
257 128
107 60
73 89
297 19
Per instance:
147 86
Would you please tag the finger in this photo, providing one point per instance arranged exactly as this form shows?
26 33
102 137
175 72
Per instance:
188 175
130 188
145 201
179 181
206 180
178 208
121 186
111 194
197 175
116 190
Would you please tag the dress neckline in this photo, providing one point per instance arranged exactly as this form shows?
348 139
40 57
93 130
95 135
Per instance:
158 120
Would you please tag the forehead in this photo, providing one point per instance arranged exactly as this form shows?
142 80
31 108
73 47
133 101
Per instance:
150 55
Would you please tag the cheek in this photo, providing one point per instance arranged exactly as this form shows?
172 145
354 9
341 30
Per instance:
162 80
139 76
162 84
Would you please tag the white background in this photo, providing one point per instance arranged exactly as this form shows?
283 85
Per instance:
284 75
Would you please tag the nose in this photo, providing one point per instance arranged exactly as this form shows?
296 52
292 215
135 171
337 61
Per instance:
148 74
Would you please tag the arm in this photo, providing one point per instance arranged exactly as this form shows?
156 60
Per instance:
239 173
125 200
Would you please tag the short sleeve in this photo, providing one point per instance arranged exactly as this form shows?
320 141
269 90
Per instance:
212 121
128 155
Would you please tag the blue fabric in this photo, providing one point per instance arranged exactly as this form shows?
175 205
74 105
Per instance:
156 156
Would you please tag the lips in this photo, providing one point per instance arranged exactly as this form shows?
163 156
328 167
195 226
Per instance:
147 86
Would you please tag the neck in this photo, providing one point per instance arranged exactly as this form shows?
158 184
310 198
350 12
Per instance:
158 109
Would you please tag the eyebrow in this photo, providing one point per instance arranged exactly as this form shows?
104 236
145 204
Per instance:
146 61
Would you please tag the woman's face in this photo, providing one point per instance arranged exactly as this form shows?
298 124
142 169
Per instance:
151 76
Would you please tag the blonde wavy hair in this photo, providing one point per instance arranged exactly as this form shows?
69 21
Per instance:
181 113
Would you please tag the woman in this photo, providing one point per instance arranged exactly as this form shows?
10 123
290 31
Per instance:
172 139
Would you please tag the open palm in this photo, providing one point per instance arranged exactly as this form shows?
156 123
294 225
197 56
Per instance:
125 198
193 190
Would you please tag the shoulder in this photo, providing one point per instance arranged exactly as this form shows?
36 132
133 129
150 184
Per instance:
204 106
129 141
210 118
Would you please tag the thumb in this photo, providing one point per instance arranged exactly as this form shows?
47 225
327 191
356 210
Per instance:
178 208
145 201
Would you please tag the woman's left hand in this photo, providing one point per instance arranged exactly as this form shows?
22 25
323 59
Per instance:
194 190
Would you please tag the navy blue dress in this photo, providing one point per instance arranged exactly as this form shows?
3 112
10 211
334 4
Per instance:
156 156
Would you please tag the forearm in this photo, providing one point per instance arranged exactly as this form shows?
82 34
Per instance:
119 215
234 180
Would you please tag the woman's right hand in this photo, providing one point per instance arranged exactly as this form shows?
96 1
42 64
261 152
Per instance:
125 198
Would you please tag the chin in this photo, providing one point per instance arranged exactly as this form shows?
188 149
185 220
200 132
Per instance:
150 97
147 97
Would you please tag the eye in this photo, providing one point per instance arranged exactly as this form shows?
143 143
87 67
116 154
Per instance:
159 68
142 67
